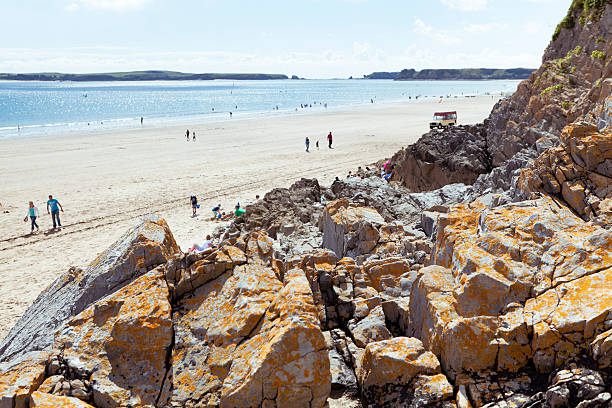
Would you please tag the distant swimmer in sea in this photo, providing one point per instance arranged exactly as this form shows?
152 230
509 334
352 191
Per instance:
33 214
307 144
213 109
187 134
330 139
230 114
141 119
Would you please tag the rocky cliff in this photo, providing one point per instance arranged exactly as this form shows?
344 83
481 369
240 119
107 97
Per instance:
574 78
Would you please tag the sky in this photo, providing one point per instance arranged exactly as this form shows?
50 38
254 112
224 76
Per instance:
308 38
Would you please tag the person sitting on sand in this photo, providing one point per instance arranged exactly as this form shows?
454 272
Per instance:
239 210
203 246
217 212
33 214
194 204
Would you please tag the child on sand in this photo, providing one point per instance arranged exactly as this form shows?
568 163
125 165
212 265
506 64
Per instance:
194 204
33 214
217 212
239 210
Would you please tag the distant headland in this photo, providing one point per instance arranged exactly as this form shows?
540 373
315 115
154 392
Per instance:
136 76
453 74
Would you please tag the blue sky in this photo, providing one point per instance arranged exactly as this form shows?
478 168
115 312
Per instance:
310 38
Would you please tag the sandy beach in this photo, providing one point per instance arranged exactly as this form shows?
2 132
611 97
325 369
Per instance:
106 181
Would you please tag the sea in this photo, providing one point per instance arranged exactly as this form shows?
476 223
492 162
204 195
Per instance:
36 109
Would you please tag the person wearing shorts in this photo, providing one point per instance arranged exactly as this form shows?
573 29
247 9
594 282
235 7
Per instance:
217 212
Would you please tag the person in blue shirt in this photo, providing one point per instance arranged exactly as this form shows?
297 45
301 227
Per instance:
32 213
55 208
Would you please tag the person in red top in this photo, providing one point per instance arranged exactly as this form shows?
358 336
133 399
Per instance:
329 139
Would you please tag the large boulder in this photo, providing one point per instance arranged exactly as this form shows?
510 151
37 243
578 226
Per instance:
438 158
247 338
120 343
349 229
44 400
288 215
511 253
579 171
400 371
20 378
143 247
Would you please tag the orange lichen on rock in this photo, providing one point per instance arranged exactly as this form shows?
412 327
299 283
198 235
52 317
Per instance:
246 338
20 378
568 317
121 342
578 170
44 400
503 255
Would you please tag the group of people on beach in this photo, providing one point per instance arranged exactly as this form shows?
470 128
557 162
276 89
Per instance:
193 135
217 210
218 215
330 140
53 208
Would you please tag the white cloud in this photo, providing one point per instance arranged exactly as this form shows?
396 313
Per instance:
115 5
466 5
532 27
365 51
441 36
485 28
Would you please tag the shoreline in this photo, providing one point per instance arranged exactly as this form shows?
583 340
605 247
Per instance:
107 180
130 119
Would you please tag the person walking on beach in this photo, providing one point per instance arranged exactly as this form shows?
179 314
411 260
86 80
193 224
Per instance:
33 214
55 207
330 139
194 204
307 144
187 134
141 119
193 136
317 144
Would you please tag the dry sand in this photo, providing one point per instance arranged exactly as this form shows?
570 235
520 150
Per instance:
106 181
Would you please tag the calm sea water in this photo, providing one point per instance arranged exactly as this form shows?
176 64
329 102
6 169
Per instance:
29 109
